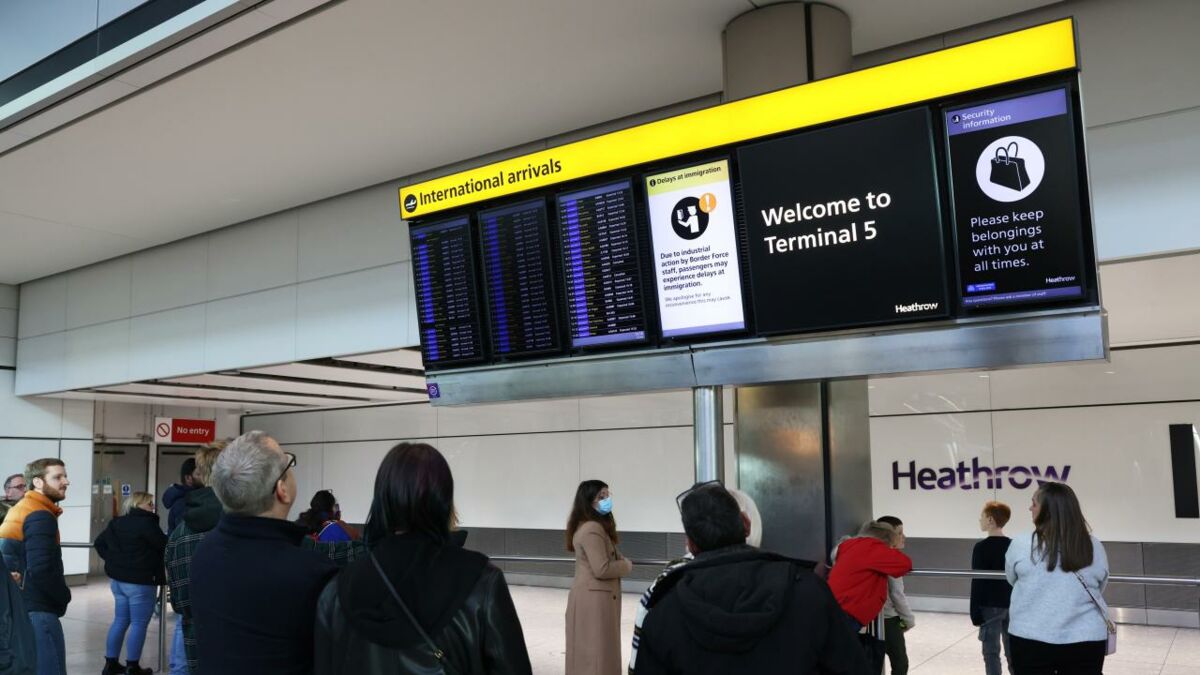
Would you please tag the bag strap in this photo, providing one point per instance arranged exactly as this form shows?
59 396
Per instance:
1014 149
1112 628
437 653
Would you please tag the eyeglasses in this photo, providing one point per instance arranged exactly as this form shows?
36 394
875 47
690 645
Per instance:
290 463
698 486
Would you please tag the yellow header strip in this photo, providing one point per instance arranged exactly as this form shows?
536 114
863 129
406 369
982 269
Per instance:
1015 56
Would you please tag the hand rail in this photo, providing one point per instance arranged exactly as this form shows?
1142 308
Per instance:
1117 578
162 612
551 559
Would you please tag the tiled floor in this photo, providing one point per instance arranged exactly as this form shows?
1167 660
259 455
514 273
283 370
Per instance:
940 644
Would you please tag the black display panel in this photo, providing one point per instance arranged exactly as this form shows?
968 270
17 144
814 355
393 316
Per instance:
518 278
448 312
601 269
845 226
1017 202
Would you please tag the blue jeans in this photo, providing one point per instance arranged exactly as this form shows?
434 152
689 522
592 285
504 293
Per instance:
135 605
178 657
51 647
992 633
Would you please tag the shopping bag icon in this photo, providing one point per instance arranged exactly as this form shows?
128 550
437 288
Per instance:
1008 170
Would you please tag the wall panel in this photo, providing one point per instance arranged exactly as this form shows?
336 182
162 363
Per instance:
352 232
98 355
645 469
253 256
259 328
170 276
99 293
43 307
356 312
373 423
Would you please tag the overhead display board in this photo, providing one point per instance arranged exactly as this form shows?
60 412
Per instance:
448 312
844 226
1014 167
601 266
694 232
519 280
931 190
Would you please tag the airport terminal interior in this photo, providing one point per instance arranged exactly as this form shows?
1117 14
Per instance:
853 258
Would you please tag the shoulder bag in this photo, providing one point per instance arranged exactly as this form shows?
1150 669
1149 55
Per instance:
437 652
1111 646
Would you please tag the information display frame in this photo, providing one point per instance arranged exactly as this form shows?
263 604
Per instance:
645 335
552 266
1087 255
481 334
1058 68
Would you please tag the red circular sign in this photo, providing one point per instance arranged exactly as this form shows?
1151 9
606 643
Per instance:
163 430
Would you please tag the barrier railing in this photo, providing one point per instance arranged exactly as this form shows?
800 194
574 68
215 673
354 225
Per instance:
162 614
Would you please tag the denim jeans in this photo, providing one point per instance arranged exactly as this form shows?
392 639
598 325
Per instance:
51 647
134 606
178 657
994 631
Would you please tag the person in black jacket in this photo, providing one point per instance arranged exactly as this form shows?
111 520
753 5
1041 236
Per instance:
253 588
175 498
459 603
990 598
132 547
736 609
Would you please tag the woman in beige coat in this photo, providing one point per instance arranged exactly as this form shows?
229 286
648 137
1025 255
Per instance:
594 605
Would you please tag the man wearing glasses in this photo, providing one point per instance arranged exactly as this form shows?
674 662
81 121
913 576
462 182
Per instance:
254 588
736 609
14 490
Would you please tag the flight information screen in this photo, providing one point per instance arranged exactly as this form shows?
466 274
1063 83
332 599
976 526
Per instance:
519 281
447 294
600 266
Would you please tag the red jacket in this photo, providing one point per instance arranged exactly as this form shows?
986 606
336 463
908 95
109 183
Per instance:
859 576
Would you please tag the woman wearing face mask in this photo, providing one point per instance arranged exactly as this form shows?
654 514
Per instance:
594 605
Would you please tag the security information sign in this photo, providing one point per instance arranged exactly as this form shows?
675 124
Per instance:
695 250
1017 207
845 226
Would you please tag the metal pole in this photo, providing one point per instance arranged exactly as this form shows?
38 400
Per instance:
707 422
162 629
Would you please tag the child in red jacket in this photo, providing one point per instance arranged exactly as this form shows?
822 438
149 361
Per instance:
861 567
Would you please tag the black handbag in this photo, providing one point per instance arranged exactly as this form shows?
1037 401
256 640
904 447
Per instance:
438 654
1009 170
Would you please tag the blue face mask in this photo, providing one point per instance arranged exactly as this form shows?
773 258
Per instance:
605 506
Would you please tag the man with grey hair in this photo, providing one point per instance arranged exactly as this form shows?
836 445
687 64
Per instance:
254 589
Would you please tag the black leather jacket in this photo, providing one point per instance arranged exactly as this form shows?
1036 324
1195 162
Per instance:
461 600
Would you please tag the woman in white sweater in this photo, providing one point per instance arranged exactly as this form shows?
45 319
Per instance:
1058 619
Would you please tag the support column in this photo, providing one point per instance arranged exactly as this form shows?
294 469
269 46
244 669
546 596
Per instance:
803 447
707 424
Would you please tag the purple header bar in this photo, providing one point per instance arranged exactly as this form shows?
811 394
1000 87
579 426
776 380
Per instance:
1006 112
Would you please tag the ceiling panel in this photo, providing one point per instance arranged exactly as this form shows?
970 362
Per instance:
230 394
336 374
162 400
401 358
281 385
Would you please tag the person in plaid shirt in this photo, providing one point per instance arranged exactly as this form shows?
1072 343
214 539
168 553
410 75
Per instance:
203 512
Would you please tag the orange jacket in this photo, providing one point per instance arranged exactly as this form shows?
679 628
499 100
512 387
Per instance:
14 521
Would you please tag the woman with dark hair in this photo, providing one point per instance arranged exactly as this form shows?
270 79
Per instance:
594 604
1058 622
417 603
323 519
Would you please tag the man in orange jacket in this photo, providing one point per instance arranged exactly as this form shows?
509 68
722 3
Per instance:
29 542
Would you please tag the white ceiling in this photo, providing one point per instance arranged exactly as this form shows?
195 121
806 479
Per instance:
367 91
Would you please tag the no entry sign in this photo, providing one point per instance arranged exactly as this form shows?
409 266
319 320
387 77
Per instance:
176 430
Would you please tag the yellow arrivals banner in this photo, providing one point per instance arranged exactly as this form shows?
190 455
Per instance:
1020 55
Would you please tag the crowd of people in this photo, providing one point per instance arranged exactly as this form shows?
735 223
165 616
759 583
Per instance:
256 592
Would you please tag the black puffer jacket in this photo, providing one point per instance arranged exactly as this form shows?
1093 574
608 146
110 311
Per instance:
459 598
132 547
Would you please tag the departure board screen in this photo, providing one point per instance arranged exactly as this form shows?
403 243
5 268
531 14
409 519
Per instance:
447 294
519 281
600 266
